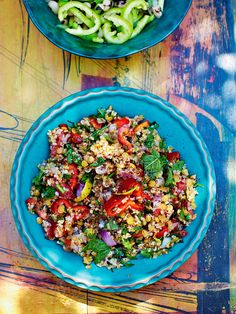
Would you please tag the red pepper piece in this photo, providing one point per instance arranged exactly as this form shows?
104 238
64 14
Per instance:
67 243
173 156
82 212
51 230
160 233
111 204
141 126
68 193
63 125
131 204
95 123
73 181
57 203
157 212
128 184
122 133
120 122
138 235
76 138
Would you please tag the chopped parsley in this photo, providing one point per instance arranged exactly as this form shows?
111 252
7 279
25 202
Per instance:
71 155
49 192
147 253
149 141
100 161
99 247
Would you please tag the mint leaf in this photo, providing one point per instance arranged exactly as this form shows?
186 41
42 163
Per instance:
38 179
99 247
153 164
49 192
178 165
147 253
149 141
169 180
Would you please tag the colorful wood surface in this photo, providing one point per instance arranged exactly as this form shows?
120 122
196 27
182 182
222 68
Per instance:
195 70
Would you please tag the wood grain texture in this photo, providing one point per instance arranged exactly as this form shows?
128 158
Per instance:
194 69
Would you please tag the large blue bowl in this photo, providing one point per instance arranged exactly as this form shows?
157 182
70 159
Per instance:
159 29
178 132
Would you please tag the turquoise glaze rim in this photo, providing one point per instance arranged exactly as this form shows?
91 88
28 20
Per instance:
133 46
70 103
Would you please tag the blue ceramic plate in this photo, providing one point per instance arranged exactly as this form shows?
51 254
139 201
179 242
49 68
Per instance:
46 22
178 132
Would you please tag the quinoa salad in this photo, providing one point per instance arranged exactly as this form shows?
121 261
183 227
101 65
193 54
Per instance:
112 190
106 20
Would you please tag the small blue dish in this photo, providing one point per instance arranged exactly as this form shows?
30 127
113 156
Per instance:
178 132
155 32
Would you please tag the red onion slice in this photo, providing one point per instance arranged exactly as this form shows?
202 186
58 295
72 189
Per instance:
107 238
79 189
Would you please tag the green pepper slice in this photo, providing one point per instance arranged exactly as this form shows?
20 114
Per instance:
141 24
117 36
135 4
89 15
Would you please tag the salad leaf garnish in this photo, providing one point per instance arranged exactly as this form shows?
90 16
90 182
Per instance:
99 247
153 164
100 161
49 192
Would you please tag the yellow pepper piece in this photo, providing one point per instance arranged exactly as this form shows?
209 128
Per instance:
127 192
85 192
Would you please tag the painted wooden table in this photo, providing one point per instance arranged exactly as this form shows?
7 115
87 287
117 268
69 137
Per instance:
195 70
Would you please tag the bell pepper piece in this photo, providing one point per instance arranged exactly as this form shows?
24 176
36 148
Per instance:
116 36
59 202
129 184
82 212
89 13
141 126
131 5
83 18
161 233
122 132
74 178
95 123
111 205
120 122
85 192
141 24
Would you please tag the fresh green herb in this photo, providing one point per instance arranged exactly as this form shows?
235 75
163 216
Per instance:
96 134
153 126
109 139
178 165
99 247
62 2
137 229
38 179
126 264
87 176
101 112
198 184
71 155
112 225
127 244
124 230
118 252
147 253
100 161
73 125
49 192
111 175
149 141
169 179
148 203
163 145
60 188
67 176
153 164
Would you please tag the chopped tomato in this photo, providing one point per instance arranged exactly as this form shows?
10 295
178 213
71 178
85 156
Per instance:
173 156
161 233
82 212
59 202
95 123
42 213
59 143
121 121
141 126
181 185
76 138
73 181
122 133
67 243
68 193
